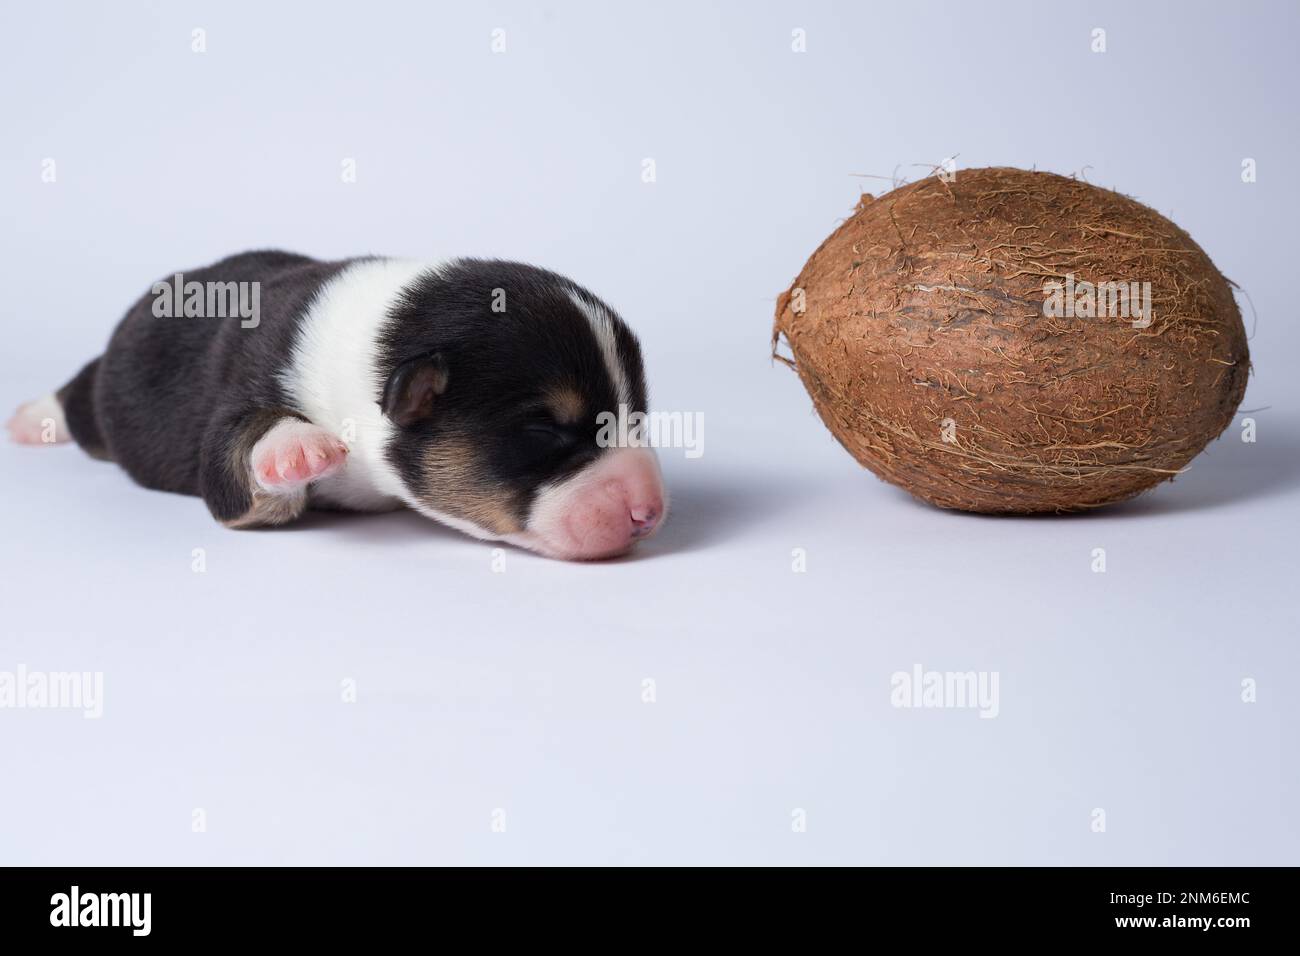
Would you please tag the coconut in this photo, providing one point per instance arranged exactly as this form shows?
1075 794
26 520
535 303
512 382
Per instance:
1015 342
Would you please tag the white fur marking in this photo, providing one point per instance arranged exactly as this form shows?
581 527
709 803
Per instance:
39 422
602 326
334 379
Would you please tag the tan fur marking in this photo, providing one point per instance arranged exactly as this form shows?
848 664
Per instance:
454 484
566 405
270 509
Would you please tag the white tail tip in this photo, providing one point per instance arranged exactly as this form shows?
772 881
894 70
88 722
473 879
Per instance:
39 422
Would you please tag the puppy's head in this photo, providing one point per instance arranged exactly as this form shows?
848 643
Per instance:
496 377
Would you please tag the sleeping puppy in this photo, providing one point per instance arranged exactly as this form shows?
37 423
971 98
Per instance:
468 390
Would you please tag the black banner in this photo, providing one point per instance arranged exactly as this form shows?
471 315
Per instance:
338 906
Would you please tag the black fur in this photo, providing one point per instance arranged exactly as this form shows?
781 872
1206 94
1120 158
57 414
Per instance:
171 398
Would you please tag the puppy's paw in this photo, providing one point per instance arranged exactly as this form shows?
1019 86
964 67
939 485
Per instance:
294 453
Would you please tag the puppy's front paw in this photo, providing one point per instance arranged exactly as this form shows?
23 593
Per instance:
294 453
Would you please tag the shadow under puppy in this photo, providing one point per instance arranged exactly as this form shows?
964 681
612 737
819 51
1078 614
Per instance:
471 391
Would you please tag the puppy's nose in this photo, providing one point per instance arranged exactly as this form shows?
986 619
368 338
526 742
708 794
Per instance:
644 519
603 511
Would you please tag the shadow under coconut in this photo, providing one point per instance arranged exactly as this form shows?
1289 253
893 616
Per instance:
1228 472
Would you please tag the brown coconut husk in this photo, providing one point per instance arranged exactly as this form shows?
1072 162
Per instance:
927 305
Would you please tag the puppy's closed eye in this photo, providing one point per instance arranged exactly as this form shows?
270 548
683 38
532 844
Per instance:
548 437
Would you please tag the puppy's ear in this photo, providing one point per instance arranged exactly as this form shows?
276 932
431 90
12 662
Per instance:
412 388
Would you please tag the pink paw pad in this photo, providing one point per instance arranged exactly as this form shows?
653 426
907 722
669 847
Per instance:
294 453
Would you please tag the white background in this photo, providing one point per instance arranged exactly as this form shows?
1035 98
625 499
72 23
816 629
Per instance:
522 691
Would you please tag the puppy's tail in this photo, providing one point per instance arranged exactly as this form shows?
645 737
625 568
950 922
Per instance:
63 416
39 422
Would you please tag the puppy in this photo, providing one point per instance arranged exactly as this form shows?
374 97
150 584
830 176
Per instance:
469 390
